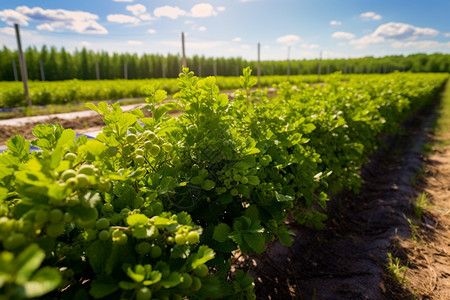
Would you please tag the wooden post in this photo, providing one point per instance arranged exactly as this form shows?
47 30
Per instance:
215 68
97 70
125 70
183 50
163 70
41 66
259 65
289 62
319 67
23 66
16 78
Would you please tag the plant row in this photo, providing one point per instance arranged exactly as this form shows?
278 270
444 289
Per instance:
70 91
155 208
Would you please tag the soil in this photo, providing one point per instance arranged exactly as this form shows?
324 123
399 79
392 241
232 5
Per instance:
347 259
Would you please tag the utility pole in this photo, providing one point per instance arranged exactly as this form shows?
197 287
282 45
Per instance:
259 65
16 78
97 70
41 67
23 66
183 50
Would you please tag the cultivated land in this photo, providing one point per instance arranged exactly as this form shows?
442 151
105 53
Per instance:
348 258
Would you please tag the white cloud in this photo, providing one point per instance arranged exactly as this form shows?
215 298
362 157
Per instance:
122 19
169 12
288 39
203 10
309 46
220 8
85 44
145 17
393 32
123 0
266 47
11 17
237 39
343 35
140 11
57 19
151 31
202 28
246 46
133 42
137 9
370 15
45 27
8 31
420 44
188 22
447 34
335 23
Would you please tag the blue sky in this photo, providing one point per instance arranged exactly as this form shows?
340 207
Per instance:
232 28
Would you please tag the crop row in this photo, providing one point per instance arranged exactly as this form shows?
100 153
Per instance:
70 91
153 208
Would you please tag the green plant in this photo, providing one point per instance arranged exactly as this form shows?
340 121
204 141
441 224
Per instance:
397 271
414 232
155 207
420 203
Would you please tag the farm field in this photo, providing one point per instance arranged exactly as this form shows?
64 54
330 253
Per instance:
70 91
178 197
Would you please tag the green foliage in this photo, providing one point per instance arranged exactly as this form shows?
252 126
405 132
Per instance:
154 207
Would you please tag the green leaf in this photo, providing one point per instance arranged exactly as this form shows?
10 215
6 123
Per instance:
203 255
155 277
160 221
285 238
160 111
160 95
45 280
253 180
97 255
136 277
85 214
208 185
18 146
255 241
283 198
103 286
125 285
180 251
3 194
27 262
92 147
92 107
137 219
172 280
221 232
167 184
184 218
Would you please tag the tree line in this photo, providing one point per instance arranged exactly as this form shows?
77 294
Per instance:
53 64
